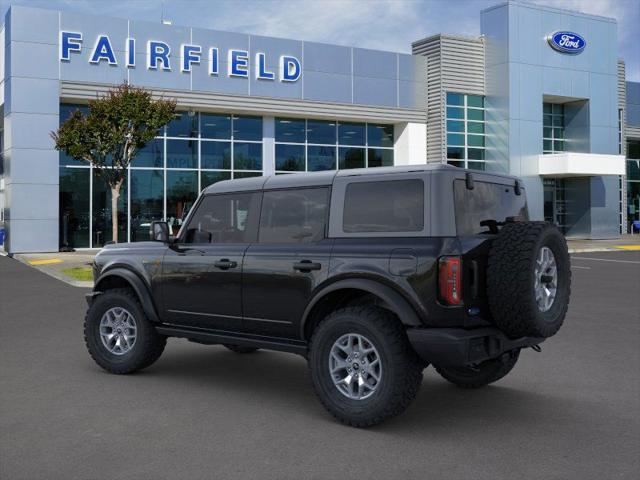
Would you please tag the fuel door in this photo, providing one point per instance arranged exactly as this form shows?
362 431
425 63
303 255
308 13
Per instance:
403 262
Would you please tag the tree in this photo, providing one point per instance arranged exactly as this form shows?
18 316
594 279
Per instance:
117 126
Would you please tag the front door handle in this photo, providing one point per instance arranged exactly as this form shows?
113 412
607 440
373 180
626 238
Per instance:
306 266
225 264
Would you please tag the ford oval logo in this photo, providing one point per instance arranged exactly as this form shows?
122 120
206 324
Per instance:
567 42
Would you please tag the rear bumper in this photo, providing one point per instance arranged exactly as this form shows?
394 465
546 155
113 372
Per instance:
457 347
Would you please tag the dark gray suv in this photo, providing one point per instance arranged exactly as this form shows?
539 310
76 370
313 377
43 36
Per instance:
372 275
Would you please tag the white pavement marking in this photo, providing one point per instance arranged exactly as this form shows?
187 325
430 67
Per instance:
583 268
605 260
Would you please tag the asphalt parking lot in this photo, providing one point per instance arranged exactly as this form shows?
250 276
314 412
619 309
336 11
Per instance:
572 411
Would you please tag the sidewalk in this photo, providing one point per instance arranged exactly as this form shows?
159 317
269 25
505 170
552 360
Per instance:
626 242
74 268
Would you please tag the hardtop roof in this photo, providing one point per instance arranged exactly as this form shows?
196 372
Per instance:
316 179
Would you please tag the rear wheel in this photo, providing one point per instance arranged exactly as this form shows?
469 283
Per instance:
118 334
362 366
239 348
482 374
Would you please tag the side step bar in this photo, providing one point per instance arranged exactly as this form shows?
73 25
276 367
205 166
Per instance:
212 337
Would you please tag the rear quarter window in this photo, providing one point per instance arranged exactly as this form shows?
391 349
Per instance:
384 206
487 201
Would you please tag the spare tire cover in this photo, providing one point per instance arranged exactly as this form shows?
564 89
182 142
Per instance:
529 279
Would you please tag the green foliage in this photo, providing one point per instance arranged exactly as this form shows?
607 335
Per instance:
83 274
117 126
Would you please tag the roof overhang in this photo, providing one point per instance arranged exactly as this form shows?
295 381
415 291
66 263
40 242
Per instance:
573 164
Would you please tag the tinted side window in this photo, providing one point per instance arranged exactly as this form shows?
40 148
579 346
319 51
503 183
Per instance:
384 206
230 218
294 216
487 201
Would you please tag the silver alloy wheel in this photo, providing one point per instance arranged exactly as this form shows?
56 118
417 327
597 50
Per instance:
546 279
118 330
355 366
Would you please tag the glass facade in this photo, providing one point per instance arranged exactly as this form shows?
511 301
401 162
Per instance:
192 152
465 130
198 149
633 182
305 145
552 128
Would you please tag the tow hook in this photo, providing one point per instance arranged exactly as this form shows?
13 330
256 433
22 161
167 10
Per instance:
536 348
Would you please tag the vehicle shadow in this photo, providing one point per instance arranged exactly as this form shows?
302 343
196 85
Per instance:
282 380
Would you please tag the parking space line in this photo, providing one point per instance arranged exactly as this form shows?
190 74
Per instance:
583 268
47 261
605 260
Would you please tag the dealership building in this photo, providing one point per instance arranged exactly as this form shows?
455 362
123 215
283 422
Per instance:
540 94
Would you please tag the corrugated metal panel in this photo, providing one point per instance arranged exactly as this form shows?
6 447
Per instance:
622 102
261 105
431 48
454 64
632 132
622 86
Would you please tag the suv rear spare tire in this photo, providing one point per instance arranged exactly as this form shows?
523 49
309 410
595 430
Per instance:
529 279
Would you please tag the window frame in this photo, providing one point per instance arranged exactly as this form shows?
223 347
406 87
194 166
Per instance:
465 134
181 236
338 196
553 139
325 230
335 145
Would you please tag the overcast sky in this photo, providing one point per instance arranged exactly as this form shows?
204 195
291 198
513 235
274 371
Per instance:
379 24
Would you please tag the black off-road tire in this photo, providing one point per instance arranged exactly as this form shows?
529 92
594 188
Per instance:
511 279
401 369
148 346
481 375
240 348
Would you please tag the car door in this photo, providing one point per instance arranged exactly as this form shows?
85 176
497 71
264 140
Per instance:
289 260
202 271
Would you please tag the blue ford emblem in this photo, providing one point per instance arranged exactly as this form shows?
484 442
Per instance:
567 42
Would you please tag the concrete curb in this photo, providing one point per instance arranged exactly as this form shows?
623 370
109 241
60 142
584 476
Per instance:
591 250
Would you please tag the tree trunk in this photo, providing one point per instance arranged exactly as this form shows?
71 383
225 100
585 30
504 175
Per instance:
115 194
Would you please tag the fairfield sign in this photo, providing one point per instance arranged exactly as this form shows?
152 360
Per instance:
159 56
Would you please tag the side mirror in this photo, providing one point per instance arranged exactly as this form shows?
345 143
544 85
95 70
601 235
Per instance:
159 232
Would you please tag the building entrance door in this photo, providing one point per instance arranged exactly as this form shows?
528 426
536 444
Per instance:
555 203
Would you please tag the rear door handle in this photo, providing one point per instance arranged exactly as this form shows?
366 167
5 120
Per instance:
306 266
225 264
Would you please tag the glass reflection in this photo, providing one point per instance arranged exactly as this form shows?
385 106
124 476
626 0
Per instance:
290 158
182 191
321 158
351 158
102 231
209 178
74 207
247 156
184 124
146 201
182 154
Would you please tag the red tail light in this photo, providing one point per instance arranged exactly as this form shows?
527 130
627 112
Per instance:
450 280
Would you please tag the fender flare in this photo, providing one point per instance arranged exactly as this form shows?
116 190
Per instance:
138 285
399 305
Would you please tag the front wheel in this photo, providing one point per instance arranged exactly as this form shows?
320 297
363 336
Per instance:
362 366
480 375
118 334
